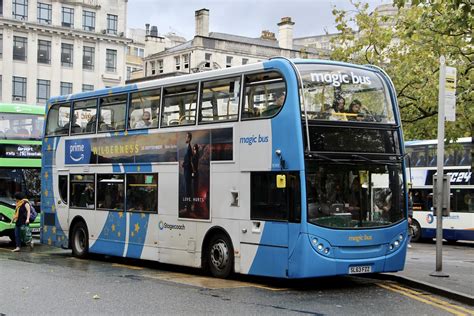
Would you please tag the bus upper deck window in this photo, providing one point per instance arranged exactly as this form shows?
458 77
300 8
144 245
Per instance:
179 105
265 94
144 111
112 113
58 120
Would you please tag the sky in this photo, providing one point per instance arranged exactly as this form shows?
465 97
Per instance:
239 17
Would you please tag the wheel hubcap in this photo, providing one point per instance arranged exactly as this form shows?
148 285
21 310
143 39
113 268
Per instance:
219 254
80 240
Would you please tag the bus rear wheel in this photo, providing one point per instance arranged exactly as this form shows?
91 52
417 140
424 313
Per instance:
416 231
80 240
220 256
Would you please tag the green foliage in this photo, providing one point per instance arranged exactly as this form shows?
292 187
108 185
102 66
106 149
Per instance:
408 46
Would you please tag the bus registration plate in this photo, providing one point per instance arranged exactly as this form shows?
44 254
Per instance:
360 269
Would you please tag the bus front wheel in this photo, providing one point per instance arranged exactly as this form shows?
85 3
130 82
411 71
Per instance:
220 256
416 231
80 240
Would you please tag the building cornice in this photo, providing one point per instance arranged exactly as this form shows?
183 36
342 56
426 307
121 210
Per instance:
62 31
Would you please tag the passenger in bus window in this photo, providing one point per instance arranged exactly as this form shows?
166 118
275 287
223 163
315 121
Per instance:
355 111
90 126
273 108
87 197
337 111
145 121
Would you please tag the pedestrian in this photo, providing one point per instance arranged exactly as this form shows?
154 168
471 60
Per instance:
22 221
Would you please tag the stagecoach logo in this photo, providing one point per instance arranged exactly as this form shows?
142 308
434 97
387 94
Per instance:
336 79
77 151
162 225
429 218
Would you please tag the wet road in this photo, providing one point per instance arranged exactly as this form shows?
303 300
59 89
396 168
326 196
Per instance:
50 281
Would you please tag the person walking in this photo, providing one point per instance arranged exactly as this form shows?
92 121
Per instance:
22 220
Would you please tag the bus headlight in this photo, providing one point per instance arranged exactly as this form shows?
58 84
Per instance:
396 243
400 237
320 245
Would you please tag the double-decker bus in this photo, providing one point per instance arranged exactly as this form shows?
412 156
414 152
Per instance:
251 169
21 128
459 225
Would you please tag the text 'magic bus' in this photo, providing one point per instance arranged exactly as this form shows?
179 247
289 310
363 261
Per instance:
281 168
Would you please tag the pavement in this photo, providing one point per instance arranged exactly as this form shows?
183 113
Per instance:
457 264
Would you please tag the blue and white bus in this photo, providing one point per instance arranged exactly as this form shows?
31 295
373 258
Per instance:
254 169
459 225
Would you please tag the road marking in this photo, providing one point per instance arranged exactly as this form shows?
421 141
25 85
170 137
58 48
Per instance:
126 266
434 299
206 282
453 309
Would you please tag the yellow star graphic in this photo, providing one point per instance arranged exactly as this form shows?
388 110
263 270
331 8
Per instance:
53 208
133 234
138 168
46 175
49 241
45 229
53 230
49 147
45 192
120 214
113 227
118 234
137 227
142 215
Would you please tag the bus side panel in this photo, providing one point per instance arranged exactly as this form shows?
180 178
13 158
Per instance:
457 226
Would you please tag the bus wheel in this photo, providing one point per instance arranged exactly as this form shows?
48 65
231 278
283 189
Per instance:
80 240
416 231
220 256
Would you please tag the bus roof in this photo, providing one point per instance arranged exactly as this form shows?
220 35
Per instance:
461 140
131 87
21 108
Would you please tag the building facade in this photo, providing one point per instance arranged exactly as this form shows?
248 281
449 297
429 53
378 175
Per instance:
57 47
212 50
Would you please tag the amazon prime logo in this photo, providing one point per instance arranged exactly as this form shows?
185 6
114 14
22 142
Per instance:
77 151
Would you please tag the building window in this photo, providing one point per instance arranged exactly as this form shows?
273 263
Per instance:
111 60
66 88
160 66
20 9
19 89
44 13
228 61
43 88
44 52
141 52
186 61
66 54
112 21
152 67
177 62
88 21
207 59
87 87
68 17
1 45
88 57
19 48
245 61
1 7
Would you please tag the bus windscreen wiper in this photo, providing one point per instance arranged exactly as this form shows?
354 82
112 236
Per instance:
379 162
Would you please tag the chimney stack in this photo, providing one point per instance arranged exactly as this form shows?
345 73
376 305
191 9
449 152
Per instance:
154 31
202 22
267 35
147 29
285 33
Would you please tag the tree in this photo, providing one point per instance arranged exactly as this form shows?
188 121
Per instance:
408 45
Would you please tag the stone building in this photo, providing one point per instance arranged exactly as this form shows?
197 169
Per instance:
57 47
213 50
